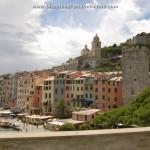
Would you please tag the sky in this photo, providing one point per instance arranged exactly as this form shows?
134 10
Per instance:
34 39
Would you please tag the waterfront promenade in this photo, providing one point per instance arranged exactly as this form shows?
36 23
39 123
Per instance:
24 127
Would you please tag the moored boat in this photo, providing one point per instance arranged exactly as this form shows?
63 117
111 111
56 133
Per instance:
4 124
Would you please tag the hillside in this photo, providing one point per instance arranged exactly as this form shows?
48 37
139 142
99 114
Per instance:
137 113
111 58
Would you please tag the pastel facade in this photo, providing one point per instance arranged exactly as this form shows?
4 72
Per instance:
85 115
69 94
108 93
36 102
53 91
1 92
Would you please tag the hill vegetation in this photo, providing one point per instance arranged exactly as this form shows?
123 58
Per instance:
135 113
110 58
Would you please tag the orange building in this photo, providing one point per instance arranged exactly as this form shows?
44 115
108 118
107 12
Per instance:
108 92
36 98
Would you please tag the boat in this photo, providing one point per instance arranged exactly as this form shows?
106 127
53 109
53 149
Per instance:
4 124
15 126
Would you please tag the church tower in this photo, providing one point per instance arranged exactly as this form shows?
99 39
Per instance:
96 49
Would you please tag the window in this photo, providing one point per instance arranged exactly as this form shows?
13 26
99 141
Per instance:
103 97
81 88
113 83
115 90
86 88
90 95
91 87
85 117
71 95
77 88
96 97
55 91
96 81
67 88
78 96
86 96
116 99
109 90
103 89
49 95
62 91
96 89
67 95
45 95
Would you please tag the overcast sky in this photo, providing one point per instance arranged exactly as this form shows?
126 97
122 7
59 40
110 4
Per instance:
41 38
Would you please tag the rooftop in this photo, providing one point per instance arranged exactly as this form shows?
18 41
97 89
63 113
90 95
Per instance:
86 112
116 79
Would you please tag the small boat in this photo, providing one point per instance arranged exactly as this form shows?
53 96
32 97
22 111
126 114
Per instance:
15 126
4 124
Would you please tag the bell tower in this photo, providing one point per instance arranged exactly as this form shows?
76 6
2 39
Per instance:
96 49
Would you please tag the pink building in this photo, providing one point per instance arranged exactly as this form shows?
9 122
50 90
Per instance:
68 91
85 115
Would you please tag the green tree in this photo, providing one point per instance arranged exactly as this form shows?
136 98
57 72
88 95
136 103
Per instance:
67 127
62 110
136 112
85 126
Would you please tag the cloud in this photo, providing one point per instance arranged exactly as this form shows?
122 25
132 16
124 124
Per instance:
40 38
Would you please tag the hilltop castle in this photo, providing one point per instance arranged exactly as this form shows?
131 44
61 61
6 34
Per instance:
89 59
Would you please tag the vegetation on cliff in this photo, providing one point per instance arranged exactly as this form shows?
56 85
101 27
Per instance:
135 113
111 60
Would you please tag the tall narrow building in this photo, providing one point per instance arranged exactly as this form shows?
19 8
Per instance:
135 65
96 49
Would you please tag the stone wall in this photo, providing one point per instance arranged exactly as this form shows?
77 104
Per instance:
135 65
118 139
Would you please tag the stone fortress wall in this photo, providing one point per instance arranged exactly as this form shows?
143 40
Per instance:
136 66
